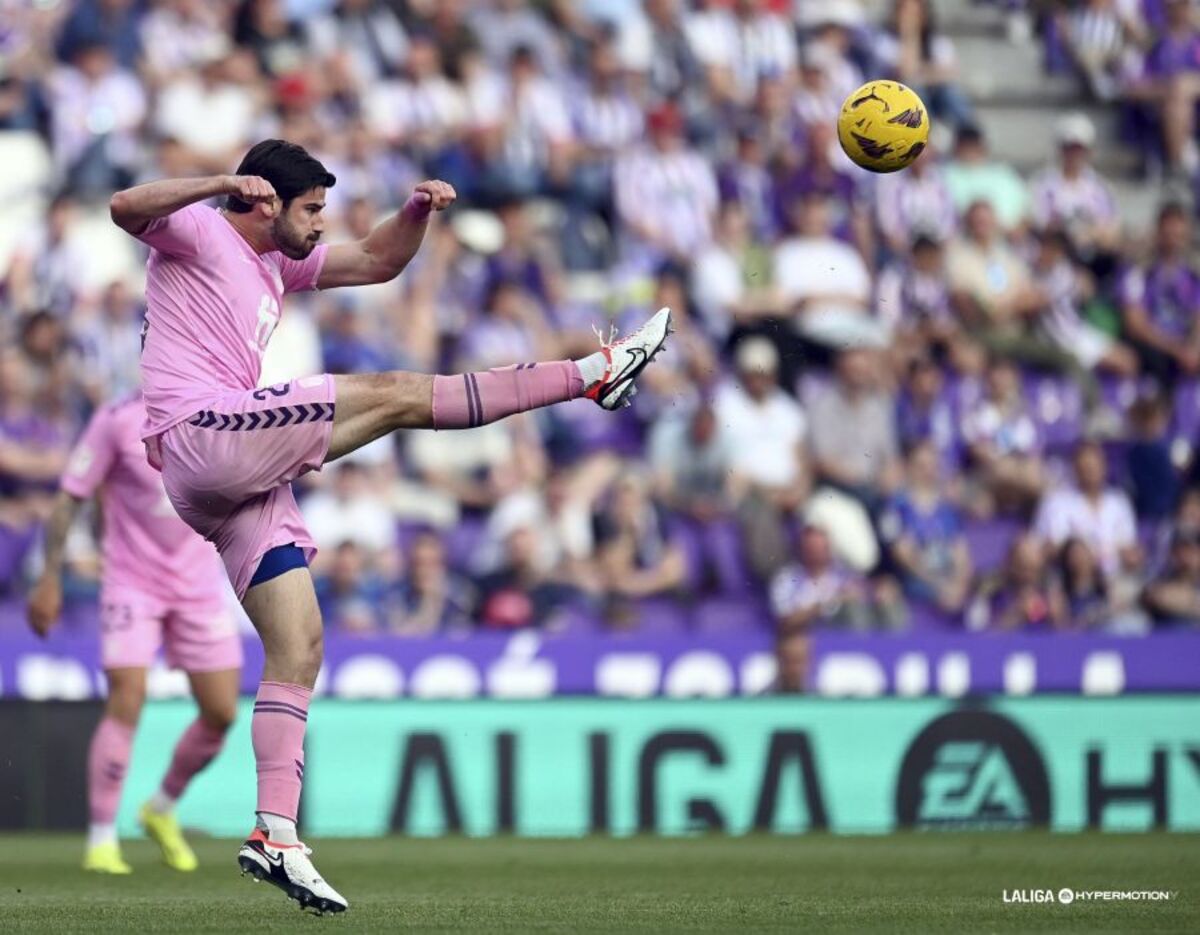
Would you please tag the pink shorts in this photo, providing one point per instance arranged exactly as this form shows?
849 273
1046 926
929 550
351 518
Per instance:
194 637
228 470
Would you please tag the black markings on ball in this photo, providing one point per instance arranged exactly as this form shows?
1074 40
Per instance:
870 96
871 147
911 118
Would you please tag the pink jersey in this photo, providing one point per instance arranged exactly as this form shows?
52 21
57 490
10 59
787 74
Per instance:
147 548
212 305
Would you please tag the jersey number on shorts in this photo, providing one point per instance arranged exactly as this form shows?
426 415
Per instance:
268 318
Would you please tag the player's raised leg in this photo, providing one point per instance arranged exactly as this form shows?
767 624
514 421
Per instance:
216 696
108 763
371 405
284 610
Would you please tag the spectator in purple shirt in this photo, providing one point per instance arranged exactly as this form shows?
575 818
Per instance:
822 172
924 413
1159 301
747 180
1171 82
522 259
639 558
925 535
1085 591
1025 596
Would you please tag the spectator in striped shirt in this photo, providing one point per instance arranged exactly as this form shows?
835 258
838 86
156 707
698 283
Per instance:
915 201
1102 37
816 589
424 112
607 121
913 299
1159 301
738 47
520 129
666 195
1065 287
1072 196
1004 447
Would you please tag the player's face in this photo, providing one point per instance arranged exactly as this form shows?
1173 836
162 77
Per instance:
298 229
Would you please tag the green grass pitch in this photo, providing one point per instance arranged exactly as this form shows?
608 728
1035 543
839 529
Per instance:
945 882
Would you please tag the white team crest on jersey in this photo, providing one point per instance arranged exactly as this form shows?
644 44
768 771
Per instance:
80 461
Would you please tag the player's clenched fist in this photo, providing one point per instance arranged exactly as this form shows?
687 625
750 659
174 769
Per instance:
45 604
250 188
434 195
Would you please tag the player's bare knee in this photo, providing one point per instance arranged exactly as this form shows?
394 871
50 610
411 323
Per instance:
126 697
304 657
313 656
219 717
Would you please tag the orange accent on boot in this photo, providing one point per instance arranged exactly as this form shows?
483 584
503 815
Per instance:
594 392
259 835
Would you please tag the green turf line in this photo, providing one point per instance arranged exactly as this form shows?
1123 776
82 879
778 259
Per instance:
819 883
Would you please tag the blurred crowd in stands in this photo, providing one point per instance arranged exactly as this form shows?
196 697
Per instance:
952 397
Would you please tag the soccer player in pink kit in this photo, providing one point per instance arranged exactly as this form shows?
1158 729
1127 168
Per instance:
229 452
161 586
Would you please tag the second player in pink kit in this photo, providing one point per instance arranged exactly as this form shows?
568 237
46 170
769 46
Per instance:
229 452
160 588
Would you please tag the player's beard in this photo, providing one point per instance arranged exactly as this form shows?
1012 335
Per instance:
290 241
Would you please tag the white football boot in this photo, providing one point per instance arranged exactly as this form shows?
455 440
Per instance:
287 866
627 357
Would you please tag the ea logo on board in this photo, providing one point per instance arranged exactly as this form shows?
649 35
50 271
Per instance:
972 769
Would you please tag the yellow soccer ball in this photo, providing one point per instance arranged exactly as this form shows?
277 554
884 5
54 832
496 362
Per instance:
883 126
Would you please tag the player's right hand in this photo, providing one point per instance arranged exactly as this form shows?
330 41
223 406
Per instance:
45 604
251 189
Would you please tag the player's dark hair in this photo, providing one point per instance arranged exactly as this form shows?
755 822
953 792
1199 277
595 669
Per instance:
287 166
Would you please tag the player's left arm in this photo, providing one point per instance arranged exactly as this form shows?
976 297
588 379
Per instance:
89 465
383 253
45 599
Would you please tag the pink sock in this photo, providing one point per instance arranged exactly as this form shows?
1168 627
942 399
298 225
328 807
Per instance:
108 761
277 731
194 751
466 400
